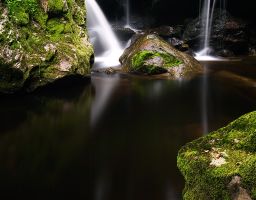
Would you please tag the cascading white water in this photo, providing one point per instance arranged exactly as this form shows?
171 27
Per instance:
102 36
206 17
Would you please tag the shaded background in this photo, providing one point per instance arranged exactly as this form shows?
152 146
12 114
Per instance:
171 12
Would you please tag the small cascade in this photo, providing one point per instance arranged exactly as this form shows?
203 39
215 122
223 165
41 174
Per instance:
127 14
206 17
107 47
128 23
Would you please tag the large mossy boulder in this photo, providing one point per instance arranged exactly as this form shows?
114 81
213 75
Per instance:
149 54
222 165
42 41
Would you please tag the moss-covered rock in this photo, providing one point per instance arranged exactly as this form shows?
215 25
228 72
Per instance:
149 54
41 41
222 165
152 62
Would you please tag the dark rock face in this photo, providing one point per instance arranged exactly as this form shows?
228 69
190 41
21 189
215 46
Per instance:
221 165
149 54
229 36
252 42
42 41
123 33
164 31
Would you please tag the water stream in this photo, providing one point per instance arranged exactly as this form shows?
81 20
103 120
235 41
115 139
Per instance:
127 14
206 17
107 47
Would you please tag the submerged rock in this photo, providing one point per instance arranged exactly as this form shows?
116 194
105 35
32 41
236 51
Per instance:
149 54
42 41
222 164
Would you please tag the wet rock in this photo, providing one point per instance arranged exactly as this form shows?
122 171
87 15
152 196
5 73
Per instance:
228 33
163 31
236 189
221 165
179 44
170 34
252 51
123 33
149 54
225 53
40 44
252 42
167 31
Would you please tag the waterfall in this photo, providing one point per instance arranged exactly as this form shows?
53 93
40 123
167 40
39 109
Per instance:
206 17
107 47
127 13
127 8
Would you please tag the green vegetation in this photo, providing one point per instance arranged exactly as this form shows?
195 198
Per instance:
22 10
55 27
151 62
209 163
30 6
56 6
45 41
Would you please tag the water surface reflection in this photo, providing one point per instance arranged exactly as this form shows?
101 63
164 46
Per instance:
116 137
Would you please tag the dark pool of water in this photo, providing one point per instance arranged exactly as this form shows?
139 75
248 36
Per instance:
116 137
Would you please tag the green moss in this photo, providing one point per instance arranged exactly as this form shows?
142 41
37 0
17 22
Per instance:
254 193
68 28
56 6
50 56
21 10
248 171
41 36
41 18
29 40
79 16
55 26
236 145
141 62
21 17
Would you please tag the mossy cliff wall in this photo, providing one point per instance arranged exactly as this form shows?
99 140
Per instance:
41 41
222 165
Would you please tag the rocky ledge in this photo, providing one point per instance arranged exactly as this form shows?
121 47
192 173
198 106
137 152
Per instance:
42 41
222 164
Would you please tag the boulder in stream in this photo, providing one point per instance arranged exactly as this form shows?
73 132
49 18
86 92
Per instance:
222 164
149 54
